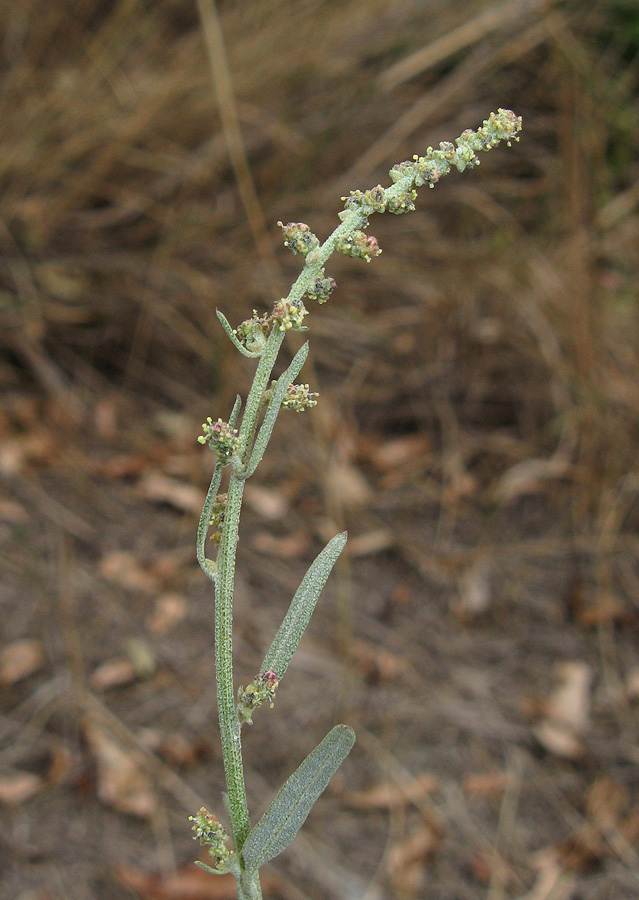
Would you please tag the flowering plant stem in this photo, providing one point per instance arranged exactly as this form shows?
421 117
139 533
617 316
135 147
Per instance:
230 727
241 449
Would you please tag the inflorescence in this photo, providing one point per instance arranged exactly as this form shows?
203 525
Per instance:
260 691
262 336
212 834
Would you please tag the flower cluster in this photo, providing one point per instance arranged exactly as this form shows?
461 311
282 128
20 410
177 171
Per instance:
321 287
216 521
299 238
289 314
402 202
252 333
379 200
260 691
359 244
373 200
210 832
503 125
299 397
221 438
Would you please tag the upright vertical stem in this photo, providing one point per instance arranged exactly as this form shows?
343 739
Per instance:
229 724
230 729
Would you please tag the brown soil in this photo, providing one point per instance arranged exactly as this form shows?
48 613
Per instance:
476 435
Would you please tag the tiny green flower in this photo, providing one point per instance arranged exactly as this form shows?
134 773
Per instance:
216 521
299 238
260 691
253 333
210 832
221 438
402 203
372 200
299 397
321 288
359 244
289 314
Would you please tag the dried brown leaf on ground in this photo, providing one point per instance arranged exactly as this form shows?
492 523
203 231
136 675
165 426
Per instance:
160 488
169 610
490 869
567 711
487 784
632 684
19 787
475 594
175 748
370 542
608 829
530 477
346 486
288 546
376 664
39 446
392 794
20 660
407 859
388 455
123 568
553 882
268 503
13 512
122 780
113 673
605 609
138 663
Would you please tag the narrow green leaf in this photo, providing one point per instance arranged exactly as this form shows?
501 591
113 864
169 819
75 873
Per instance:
237 406
232 868
301 609
224 322
288 811
208 566
273 409
206 868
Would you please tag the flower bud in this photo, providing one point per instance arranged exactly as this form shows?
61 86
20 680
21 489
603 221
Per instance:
260 691
253 333
299 397
210 832
321 288
289 314
299 238
218 511
359 244
221 438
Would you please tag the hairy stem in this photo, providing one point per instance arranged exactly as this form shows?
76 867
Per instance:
229 723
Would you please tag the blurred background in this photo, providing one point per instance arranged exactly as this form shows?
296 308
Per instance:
477 433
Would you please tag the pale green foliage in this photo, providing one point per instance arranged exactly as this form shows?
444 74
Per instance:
288 811
301 609
240 446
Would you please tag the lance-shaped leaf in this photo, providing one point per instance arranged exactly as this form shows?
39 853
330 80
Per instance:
224 322
208 565
273 408
301 609
288 811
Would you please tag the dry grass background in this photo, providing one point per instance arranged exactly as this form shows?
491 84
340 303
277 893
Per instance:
477 434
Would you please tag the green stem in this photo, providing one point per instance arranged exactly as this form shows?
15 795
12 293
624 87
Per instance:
229 724
255 398
249 887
